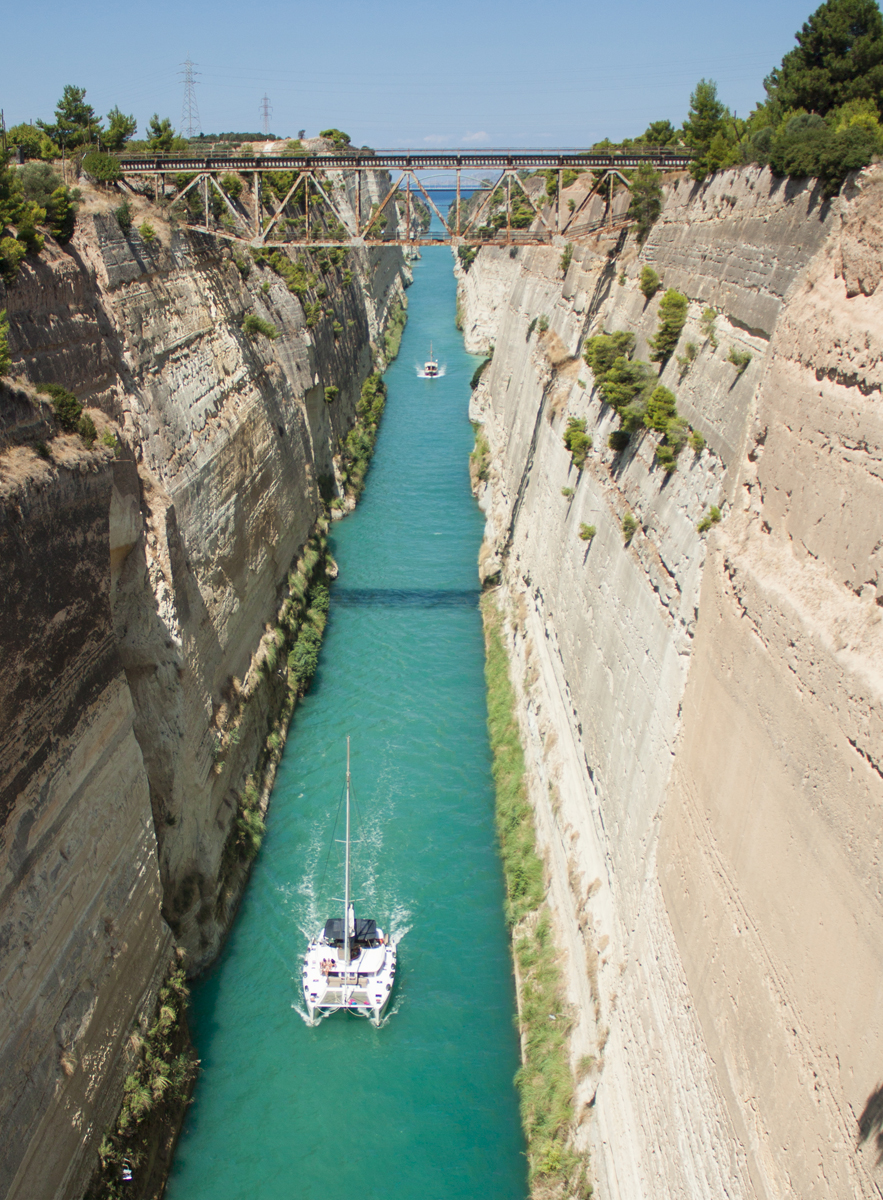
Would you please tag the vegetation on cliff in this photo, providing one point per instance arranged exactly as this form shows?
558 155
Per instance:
632 387
395 327
162 1073
544 1081
359 444
33 202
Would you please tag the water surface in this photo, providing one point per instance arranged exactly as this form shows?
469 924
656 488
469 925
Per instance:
424 1107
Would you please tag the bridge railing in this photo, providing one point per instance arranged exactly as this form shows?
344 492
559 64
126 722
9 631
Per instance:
147 162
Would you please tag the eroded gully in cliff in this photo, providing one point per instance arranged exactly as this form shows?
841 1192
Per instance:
425 1105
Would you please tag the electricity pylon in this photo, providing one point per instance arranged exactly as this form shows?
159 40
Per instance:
266 113
190 123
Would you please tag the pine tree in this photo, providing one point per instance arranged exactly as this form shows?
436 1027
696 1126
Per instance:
838 57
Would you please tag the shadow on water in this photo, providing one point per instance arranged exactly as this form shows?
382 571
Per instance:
400 598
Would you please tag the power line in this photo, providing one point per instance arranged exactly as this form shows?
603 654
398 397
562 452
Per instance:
190 123
266 113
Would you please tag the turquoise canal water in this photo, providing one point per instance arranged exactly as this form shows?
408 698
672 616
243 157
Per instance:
423 1108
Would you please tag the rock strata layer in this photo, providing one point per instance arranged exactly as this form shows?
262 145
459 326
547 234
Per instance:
702 712
141 587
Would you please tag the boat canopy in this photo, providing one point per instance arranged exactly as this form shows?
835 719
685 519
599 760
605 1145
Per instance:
364 930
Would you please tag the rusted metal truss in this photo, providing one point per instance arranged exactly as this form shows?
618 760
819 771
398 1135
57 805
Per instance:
330 189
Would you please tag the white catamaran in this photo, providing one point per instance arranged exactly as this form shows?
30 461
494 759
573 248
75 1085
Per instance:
350 965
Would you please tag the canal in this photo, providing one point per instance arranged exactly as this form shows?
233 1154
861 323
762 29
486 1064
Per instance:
423 1107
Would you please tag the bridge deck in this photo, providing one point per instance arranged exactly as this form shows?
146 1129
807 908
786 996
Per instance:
445 160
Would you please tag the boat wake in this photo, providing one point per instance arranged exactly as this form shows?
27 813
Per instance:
422 374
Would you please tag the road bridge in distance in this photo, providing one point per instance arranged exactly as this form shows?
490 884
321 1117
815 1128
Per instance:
263 219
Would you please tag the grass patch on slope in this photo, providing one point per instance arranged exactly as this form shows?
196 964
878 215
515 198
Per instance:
544 1081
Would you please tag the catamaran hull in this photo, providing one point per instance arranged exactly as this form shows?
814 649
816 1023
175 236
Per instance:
363 989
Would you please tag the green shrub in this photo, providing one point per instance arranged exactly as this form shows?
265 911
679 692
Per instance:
61 213
602 351
543 324
303 658
696 441
665 456
337 136
672 317
739 358
123 216
148 233
711 518
232 185
108 439
634 414
68 408
650 282
626 383
331 394
392 338
43 187
87 431
587 532
646 201
566 259
629 525
12 254
677 432
709 317
359 444
254 325
467 256
480 458
102 167
661 407
686 359
577 441
567 492
618 440
479 371
808 146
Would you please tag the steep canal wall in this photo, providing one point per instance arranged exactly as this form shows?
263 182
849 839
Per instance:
701 708
145 582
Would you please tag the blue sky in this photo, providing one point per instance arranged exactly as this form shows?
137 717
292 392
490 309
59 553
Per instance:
558 73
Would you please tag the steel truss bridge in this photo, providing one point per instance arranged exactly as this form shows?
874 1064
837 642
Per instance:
259 221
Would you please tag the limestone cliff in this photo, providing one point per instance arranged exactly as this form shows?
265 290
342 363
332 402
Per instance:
702 714
141 581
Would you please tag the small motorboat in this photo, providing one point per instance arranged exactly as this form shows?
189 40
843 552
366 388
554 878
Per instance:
430 368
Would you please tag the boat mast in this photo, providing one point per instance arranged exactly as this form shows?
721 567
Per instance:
346 887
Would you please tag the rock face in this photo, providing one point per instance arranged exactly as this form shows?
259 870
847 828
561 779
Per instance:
702 714
138 589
